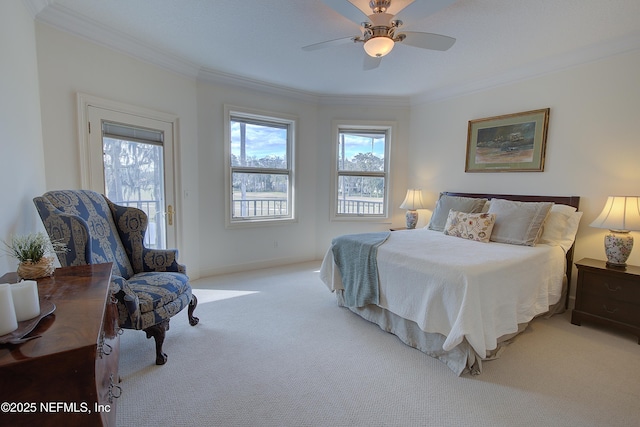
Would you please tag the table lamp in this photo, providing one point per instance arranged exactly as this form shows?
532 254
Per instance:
620 215
412 201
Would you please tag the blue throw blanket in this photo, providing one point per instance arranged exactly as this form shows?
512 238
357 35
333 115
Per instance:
355 256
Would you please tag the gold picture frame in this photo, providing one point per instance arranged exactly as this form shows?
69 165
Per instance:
509 143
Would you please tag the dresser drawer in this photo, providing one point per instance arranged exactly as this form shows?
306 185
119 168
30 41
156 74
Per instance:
606 286
107 380
611 309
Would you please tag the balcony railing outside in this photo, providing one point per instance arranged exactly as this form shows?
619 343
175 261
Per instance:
360 207
278 207
260 208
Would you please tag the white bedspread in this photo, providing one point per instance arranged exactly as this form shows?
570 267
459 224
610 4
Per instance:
460 288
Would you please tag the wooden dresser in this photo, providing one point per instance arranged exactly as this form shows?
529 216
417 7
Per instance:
608 296
68 376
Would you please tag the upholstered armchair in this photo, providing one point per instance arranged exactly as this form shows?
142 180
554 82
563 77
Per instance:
149 284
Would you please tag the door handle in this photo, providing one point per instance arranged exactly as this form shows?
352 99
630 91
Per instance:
170 214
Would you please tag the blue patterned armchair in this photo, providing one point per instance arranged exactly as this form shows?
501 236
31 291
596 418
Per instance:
149 284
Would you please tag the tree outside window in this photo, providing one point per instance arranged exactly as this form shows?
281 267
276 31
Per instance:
261 168
362 172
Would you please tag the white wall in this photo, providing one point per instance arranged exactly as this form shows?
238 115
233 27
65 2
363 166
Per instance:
69 65
326 229
593 145
232 249
227 250
22 166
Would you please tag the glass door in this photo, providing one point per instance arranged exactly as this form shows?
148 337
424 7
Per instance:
130 167
134 176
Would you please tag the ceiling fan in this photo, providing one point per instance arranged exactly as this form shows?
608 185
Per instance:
381 31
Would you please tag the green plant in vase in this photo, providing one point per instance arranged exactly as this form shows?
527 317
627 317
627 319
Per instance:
34 253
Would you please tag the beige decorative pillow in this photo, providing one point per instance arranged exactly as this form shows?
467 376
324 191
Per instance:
472 226
518 223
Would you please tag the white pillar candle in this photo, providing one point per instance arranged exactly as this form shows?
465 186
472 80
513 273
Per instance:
8 322
25 299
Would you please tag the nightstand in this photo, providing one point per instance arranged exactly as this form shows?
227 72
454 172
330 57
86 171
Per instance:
608 296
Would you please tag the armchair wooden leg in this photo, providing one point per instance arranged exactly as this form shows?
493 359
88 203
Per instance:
158 332
193 321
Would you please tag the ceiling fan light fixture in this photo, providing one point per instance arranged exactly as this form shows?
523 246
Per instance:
378 47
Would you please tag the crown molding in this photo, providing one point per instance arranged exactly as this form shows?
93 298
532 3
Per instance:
71 22
366 100
218 77
36 6
552 65
64 19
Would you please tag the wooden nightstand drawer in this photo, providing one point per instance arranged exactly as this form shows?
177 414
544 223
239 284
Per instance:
608 296
608 287
616 310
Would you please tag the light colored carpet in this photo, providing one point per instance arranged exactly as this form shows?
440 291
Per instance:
273 349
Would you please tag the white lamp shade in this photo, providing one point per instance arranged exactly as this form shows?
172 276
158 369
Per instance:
621 213
413 200
378 46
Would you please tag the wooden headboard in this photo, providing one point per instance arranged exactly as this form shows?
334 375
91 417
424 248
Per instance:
562 200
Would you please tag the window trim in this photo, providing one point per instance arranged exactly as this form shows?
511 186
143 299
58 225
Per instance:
389 127
288 121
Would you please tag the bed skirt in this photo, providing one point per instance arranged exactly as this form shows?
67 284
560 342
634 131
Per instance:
462 359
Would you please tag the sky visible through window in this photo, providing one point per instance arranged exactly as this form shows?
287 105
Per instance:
264 141
356 144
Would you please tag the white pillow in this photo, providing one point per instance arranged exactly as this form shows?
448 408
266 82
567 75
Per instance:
561 226
518 223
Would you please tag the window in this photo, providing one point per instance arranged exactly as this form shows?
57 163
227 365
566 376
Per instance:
128 153
134 174
362 172
260 159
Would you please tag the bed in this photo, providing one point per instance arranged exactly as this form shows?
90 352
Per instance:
465 285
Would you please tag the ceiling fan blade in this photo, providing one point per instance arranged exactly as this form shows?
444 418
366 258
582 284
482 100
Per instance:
419 9
370 62
428 40
328 43
347 9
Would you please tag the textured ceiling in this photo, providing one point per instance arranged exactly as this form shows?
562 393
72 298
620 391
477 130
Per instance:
261 40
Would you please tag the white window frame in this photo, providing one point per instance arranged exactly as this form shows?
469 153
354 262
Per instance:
290 122
389 128
91 168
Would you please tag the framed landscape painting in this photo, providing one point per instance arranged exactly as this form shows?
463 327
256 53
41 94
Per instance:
509 143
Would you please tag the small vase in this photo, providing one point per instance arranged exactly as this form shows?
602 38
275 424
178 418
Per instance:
36 270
